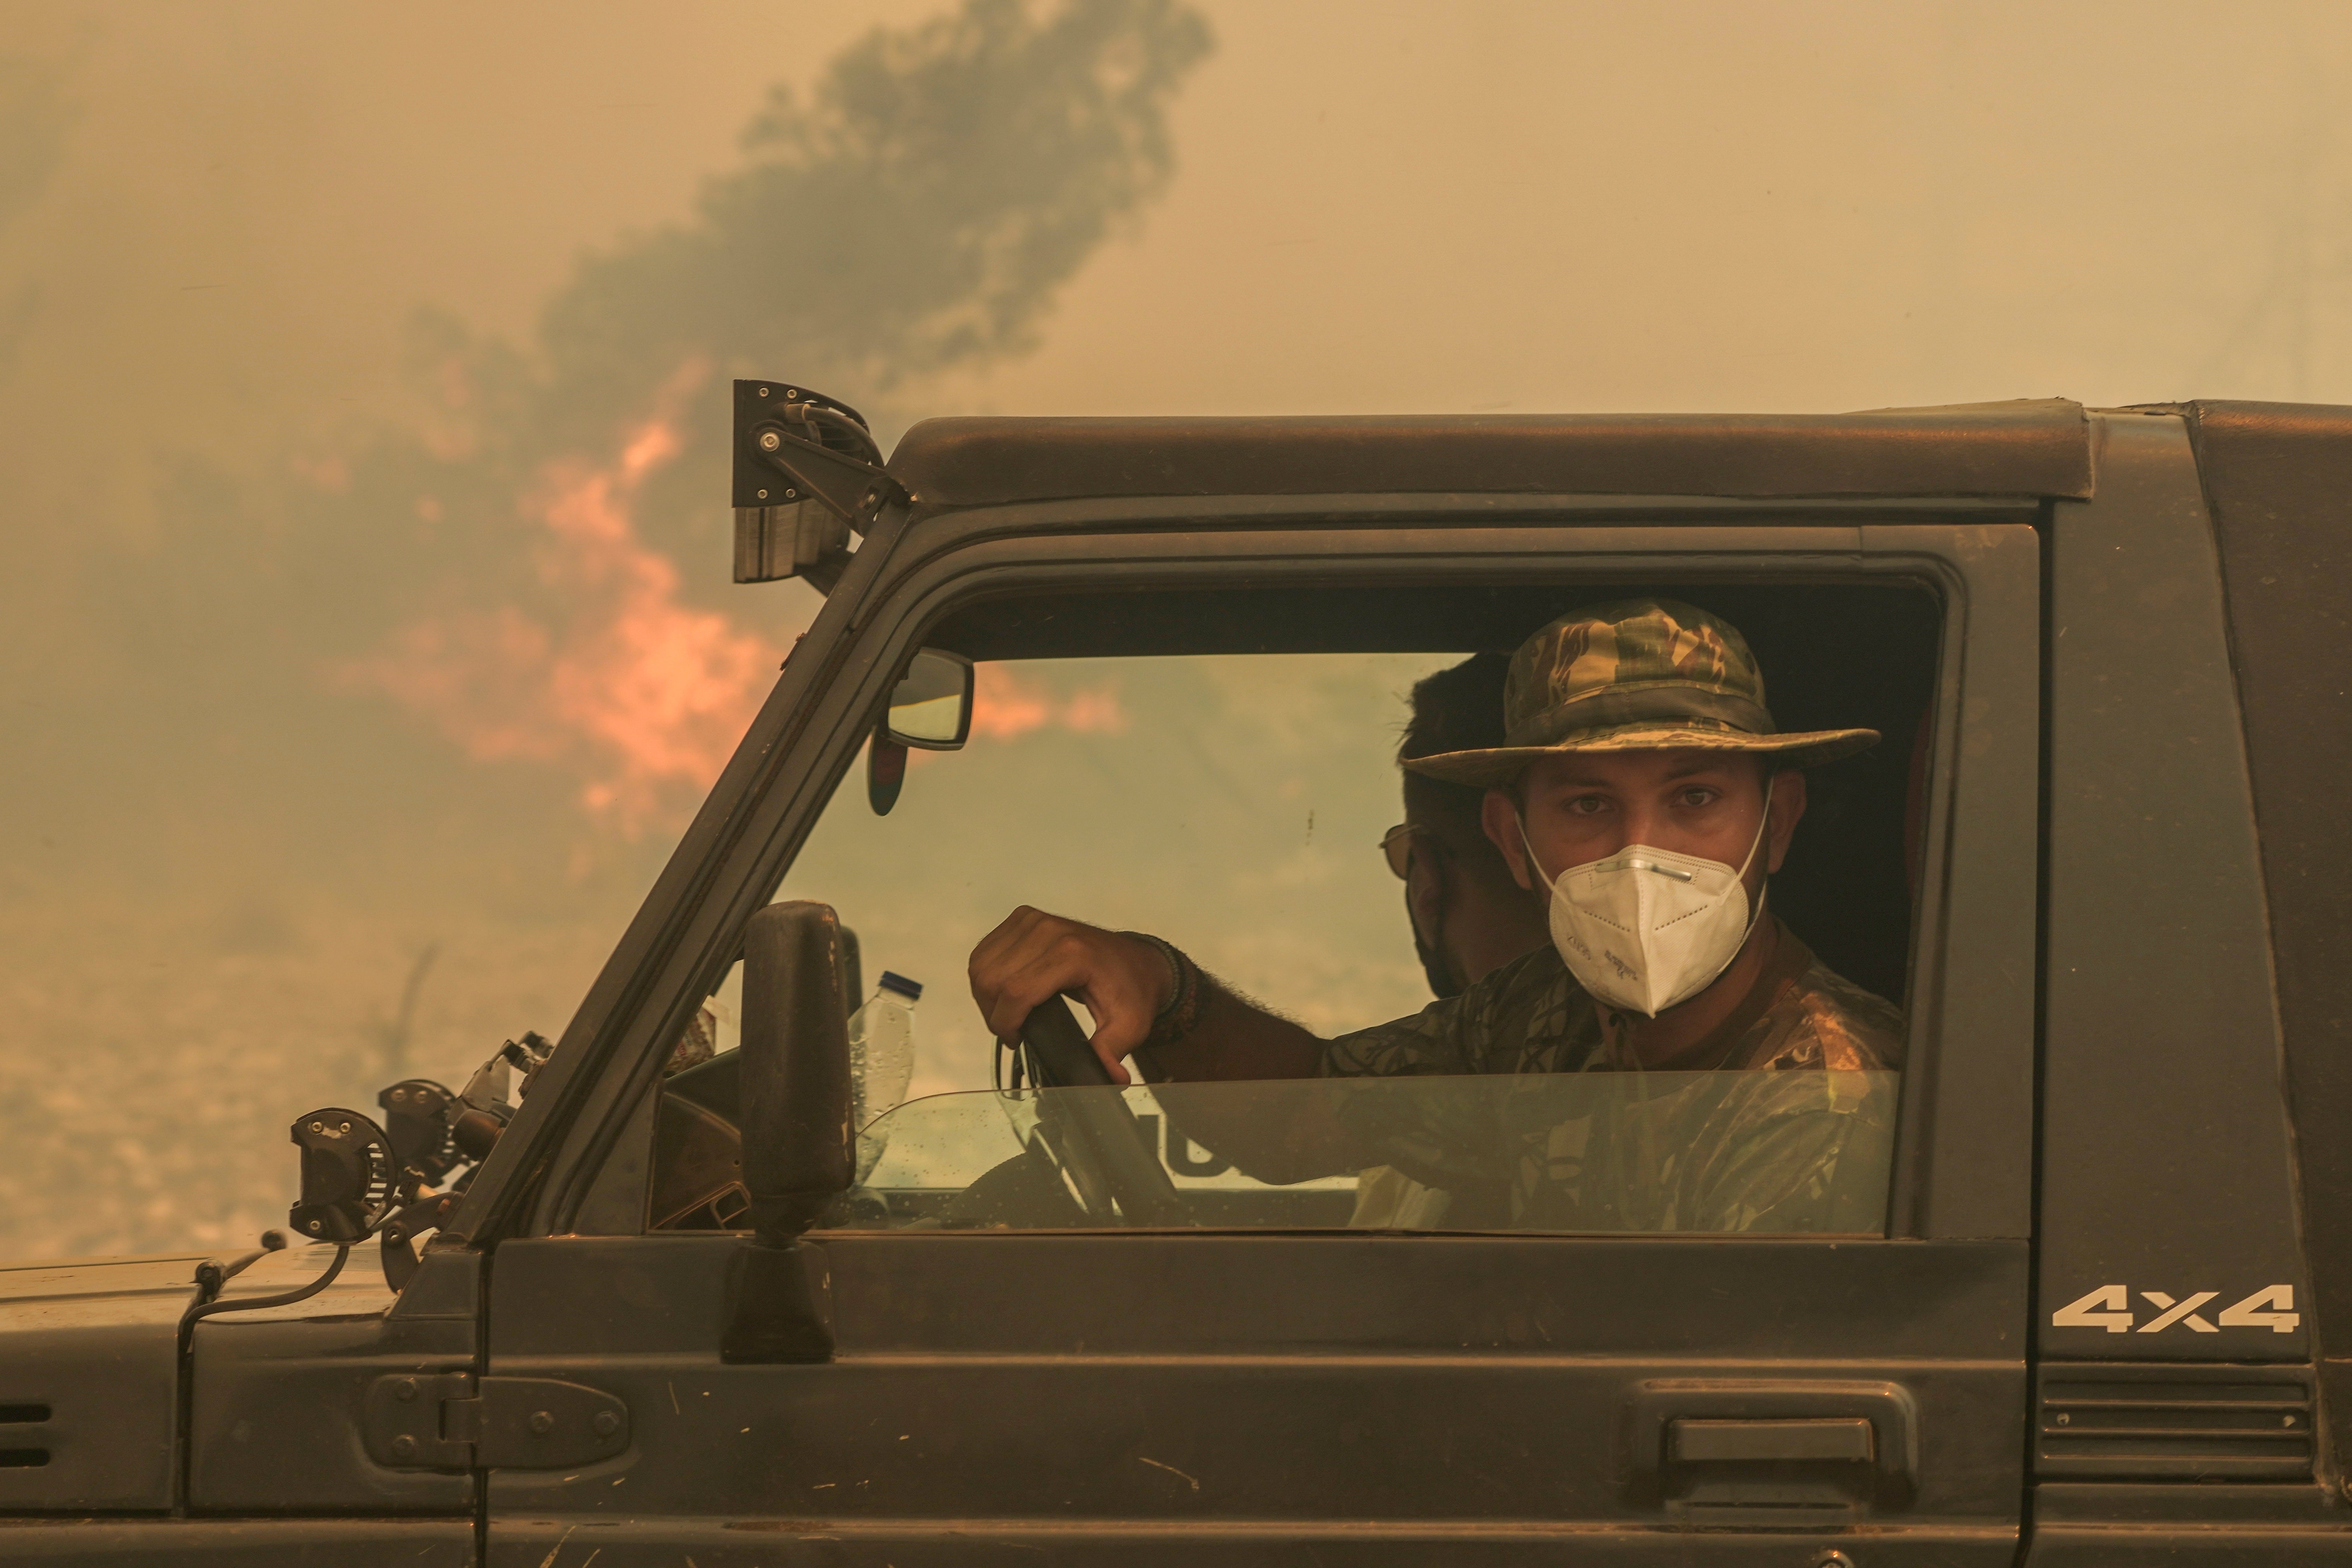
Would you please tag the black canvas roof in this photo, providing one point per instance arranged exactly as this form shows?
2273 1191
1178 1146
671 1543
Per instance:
2029 448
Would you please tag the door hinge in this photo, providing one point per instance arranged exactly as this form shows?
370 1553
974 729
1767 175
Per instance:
455 1421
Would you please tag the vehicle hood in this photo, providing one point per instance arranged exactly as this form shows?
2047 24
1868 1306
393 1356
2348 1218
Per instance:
89 1353
165 1281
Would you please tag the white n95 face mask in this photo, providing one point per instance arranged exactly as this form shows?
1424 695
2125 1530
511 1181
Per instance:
1646 928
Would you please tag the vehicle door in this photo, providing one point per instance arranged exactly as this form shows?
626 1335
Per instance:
1261 1382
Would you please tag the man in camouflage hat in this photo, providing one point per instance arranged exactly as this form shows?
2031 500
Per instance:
1645 794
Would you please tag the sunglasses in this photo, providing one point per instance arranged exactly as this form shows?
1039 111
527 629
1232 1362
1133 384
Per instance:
1398 842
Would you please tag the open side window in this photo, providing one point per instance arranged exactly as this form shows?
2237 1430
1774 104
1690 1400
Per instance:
1217 766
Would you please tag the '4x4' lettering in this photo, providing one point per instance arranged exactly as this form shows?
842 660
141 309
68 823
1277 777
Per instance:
2109 1308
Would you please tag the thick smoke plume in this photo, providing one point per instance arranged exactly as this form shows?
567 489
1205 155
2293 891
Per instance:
914 215
402 732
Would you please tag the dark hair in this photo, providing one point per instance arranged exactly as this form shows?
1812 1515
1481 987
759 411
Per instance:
1457 710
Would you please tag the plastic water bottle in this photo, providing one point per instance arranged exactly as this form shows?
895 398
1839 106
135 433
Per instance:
881 1061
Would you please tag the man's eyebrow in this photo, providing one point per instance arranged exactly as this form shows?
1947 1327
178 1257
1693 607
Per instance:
1700 765
1703 764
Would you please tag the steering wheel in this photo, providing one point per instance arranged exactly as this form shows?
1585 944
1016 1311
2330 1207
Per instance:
1095 1136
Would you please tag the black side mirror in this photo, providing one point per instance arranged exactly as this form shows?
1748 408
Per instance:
931 707
796 1133
930 710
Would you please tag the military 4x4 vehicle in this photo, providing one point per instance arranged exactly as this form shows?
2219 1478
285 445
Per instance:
687 1313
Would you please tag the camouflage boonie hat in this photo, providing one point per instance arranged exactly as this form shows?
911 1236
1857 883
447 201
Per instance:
1635 675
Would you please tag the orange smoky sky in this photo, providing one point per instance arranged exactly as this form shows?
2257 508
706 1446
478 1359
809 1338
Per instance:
262 750
1007 705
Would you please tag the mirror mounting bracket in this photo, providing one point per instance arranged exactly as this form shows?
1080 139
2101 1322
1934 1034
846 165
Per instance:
807 475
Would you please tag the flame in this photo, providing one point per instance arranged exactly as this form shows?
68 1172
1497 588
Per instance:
645 696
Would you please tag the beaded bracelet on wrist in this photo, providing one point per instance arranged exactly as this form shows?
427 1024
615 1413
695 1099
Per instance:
1175 1021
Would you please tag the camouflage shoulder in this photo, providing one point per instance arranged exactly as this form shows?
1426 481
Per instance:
1831 1023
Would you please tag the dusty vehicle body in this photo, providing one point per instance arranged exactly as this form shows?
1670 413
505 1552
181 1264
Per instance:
2097 1326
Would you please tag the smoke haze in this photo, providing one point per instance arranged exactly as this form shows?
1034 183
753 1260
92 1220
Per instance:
365 634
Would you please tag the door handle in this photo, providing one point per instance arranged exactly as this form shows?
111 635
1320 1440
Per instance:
1712 1444
1827 1439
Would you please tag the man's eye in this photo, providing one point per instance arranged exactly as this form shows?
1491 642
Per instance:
1700 796
1587 805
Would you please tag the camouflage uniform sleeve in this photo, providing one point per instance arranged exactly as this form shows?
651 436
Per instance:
1804 1151
1433 1040
1717 1151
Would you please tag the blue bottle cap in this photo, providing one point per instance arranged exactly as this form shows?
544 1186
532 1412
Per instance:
911 990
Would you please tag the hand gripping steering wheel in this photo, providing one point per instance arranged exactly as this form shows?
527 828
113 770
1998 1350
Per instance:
1095 1135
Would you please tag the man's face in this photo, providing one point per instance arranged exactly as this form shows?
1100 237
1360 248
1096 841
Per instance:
1584 807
